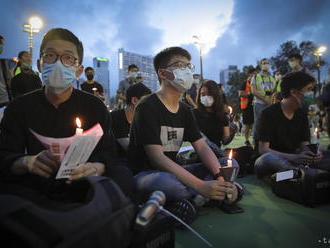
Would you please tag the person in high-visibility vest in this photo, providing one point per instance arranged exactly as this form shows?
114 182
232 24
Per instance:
246 100
24 64
263 87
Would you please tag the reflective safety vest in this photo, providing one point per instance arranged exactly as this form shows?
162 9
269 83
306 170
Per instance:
245 100
18 71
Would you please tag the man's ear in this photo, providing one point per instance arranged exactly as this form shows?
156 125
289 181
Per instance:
134 100
79 71
38 65
165 74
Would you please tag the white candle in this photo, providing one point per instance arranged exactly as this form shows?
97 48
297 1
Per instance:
229 161
79 130
314 137
94 90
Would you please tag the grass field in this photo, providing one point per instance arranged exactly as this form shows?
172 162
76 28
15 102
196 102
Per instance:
239 141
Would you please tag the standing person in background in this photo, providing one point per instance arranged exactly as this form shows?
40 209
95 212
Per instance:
263 86
191 94
246 99
25 79
92 86
124 84
24 64
5 76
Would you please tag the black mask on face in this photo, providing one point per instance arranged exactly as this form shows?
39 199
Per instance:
90 76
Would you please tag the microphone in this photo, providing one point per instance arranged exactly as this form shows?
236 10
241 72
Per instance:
150 208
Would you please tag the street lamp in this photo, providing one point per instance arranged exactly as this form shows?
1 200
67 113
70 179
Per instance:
33 26
198 42
318 53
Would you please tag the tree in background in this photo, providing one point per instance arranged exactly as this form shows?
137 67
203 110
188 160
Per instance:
305 49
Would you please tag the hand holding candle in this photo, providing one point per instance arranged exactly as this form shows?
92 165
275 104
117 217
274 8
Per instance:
79 130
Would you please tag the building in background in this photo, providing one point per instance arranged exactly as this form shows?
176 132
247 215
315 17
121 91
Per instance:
145 64
102 75
225 76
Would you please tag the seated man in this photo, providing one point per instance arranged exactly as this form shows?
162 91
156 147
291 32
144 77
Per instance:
122 118
160 125
283 142
25 163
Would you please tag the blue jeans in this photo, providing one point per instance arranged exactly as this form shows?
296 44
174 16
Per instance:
270 163
173 188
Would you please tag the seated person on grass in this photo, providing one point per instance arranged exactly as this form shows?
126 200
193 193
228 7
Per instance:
122 118
27 167
284 132
160 125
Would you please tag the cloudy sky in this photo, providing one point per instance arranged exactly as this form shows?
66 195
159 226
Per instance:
234 32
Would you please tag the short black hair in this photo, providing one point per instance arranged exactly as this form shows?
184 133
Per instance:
162 59
295 80
21 53
251 70
89 69
263 60
132 66
1 37
136 90
63 34
296 56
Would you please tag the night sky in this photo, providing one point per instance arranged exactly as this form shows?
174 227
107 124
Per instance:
238 32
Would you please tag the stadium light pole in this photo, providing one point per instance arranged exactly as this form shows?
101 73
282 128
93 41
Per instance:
198 42
319 51
33 26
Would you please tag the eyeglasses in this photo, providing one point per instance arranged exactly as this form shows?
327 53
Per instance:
66 59
182 65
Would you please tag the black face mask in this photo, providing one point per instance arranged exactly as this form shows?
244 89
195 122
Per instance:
90 76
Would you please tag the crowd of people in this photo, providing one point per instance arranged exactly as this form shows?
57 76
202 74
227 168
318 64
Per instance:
141 139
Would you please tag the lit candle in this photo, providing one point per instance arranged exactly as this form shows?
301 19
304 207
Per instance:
94 90
314 137
79 130
229 161
230 109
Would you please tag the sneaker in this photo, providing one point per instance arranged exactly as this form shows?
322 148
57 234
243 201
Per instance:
183 209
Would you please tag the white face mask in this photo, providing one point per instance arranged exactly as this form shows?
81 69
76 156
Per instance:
265 67
292 64
57 77
207 101
196 81
183 79
133 74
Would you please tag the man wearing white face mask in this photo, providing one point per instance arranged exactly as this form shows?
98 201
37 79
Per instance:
160 125
263 88
124 84
51 111
191 94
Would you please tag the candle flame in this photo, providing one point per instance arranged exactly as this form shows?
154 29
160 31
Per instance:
15 59
231 154
78 122
230 109
315 132
94 89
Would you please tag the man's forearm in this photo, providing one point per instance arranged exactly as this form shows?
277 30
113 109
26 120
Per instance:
287 156
207 156
163 163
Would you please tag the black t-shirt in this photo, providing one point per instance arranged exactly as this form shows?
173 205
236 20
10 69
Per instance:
283 134
250 97
153 123
210 125
89 87
121 128
23 83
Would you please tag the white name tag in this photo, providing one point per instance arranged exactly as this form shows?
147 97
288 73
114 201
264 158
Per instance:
285 175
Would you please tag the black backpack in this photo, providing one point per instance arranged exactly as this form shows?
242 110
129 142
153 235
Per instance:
309 187
103 219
